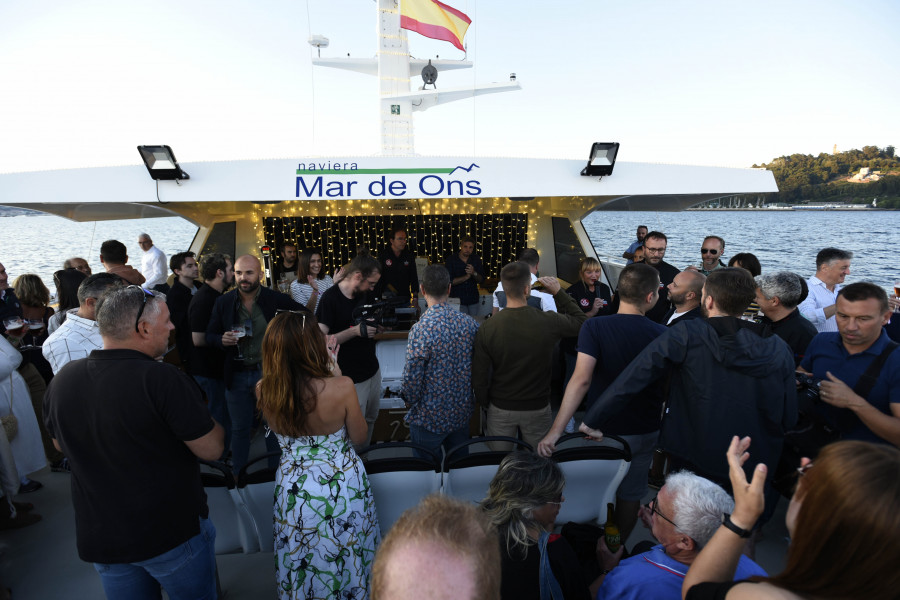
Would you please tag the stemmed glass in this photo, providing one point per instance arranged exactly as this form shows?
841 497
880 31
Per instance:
238 330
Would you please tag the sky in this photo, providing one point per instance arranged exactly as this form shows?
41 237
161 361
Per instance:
706 83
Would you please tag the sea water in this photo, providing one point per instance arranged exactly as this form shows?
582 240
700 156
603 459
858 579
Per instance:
781 240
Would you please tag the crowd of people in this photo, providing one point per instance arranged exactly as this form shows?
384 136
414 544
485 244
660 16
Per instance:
134 368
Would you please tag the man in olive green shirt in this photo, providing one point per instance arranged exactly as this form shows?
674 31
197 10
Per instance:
511 368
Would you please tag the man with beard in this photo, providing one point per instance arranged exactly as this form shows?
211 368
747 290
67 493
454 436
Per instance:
207 362
238 322
287 266
357 359
466 272
655 244
711 254
684 294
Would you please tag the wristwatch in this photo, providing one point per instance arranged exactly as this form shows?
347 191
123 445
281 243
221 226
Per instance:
727 522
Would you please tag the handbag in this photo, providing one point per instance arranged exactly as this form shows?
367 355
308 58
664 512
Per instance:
10 422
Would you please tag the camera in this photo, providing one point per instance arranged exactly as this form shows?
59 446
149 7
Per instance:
807 388
378 313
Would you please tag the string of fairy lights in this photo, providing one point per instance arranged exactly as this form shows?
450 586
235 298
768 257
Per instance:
498 237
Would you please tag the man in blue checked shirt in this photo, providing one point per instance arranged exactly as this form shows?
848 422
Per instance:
437 378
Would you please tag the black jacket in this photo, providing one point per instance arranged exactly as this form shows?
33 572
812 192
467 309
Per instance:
728 377
694 313
225 312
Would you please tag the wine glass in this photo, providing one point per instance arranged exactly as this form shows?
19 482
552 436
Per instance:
238 330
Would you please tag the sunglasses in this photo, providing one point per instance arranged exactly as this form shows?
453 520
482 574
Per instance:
712 251
293 312
146 294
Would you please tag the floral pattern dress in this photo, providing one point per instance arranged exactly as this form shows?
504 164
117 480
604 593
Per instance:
326 529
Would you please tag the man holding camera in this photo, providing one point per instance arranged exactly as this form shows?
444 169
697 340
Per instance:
356 359
859 367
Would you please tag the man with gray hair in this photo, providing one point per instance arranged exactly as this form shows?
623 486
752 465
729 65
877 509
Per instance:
683 518
437 378
119 408
79 335
832 266
778 295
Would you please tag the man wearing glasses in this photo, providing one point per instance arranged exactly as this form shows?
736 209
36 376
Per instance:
711 254
132 428
654 251
683 517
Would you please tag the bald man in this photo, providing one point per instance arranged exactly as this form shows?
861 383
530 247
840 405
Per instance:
248 308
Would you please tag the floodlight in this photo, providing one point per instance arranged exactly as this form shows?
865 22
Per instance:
602 159
161 163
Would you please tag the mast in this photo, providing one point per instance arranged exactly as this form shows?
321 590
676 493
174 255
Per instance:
394 67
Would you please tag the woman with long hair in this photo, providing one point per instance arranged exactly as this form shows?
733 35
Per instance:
523 501
844 525
67 282
312 281
326 529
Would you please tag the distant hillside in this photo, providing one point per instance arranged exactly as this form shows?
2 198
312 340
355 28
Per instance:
829 177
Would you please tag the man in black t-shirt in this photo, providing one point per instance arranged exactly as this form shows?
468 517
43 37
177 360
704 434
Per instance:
132 428
606 345
356 359
207 362
398 269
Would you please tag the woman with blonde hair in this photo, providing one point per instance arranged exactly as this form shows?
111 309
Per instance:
844 525
523 501
326 529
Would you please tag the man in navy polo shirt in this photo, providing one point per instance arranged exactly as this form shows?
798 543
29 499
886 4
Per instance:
840 359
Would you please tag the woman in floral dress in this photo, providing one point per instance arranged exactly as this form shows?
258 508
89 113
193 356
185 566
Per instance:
326 529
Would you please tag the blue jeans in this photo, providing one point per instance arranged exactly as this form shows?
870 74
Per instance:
241 401
187 571
434 441
215 398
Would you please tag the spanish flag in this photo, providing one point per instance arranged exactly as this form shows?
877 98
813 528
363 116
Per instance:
434 20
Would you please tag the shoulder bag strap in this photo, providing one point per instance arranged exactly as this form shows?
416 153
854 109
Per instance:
868 379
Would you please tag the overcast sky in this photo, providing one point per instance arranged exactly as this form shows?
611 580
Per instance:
708 83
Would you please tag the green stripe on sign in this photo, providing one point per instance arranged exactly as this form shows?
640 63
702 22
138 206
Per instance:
368 171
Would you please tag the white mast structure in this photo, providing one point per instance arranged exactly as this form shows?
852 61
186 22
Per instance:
393 66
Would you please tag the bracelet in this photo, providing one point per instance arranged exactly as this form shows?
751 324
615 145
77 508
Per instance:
729 524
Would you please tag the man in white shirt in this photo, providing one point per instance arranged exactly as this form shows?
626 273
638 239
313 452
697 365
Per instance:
538 299
79 335
153 263
832 266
